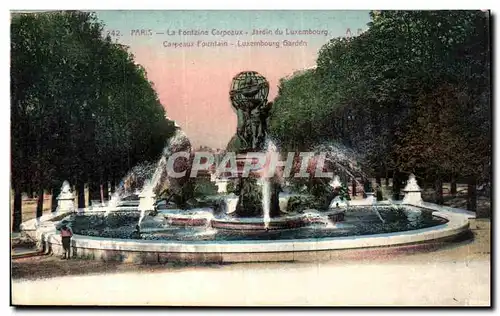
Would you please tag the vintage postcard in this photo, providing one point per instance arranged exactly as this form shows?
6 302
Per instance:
250 158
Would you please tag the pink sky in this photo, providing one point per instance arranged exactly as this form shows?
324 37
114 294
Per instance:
194 85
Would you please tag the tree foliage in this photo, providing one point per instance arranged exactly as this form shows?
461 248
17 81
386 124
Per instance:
411 94
81 109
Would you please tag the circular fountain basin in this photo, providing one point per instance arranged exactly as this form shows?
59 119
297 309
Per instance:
294 244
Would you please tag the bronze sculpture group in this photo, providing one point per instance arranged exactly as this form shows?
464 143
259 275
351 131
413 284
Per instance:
248 95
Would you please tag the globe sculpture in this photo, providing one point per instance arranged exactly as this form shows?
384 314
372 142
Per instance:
248 95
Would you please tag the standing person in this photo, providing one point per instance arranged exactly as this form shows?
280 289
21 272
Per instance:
66 235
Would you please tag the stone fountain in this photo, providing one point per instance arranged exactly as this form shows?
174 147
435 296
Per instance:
309 224
256 201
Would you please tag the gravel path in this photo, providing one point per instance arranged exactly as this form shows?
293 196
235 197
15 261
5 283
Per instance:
454 276
444 283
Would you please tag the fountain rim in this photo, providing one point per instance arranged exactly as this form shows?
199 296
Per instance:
458 222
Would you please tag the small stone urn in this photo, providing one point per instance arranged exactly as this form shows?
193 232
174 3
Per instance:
335 183
412 192
66 199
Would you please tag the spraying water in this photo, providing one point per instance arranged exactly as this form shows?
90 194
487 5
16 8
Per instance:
130 184
113 202
345 160
178 142
141 217
335 183
320 218
151 184
147 195
145 177
208 216
207 229
378 214
266 184
266 200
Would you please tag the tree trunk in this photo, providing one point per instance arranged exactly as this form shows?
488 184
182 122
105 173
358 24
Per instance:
56 189
31 193
105 188
342 133
438 188
81 193
275 203
18 211
472 196
97 192
396 184
386 178
425 184
354 187
453 186
94 191
105 191
39 203
365 188
113 184
53 200
89 194
378 191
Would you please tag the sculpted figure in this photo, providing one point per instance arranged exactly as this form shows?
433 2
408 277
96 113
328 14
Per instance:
248 96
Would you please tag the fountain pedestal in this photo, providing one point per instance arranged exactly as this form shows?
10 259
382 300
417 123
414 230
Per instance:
257 224
252 188
66 203
412 192
249 198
